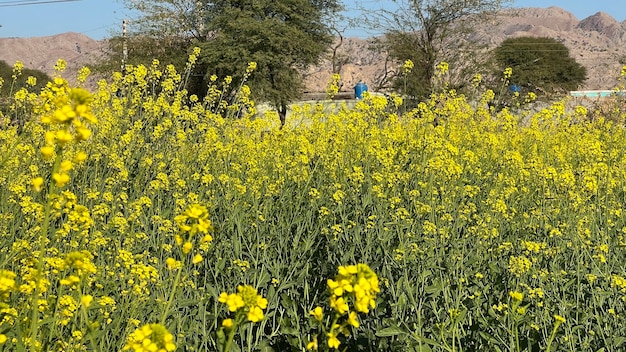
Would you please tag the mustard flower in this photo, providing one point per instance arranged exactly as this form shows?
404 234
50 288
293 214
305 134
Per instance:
227 323
312 345
516 296
333 341
150 338
194 220
233 301
247 301
317 313
37 183
407 67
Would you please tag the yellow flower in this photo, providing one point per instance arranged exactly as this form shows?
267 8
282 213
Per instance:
353 319
227 323
196 259
150 338
187 247
65 166
47 152
80 157
233 301
517 296
172 263
255 314
318 313
86 300
559 319
60 179
333 341
312 345
37 183
3 338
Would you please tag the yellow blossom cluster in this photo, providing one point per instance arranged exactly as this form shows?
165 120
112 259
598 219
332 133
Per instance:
354 284
246 302
150 338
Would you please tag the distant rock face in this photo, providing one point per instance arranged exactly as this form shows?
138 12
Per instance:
597 42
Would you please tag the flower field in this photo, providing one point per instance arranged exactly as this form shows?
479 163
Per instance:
139 218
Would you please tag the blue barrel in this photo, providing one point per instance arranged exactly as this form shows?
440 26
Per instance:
515 88
359 89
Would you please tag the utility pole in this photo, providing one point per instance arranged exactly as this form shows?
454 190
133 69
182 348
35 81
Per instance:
124 48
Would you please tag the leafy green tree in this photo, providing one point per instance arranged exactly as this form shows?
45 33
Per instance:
283 37
428 32
543 65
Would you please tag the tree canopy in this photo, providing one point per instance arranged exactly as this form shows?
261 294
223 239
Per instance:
283 37
541 64
428 32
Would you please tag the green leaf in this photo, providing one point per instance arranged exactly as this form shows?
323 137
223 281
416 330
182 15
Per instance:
390 331
489 337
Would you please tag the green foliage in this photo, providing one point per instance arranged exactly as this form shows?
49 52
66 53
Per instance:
544 65
11 86
17 79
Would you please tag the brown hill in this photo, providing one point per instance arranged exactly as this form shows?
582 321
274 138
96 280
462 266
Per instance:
42 53
597 42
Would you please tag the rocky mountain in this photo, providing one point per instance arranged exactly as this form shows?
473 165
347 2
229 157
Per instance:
42 53
598 42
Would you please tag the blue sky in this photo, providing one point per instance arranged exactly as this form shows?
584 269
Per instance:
101 18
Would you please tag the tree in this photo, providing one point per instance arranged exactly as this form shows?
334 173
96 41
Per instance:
283 37
541 64
428 32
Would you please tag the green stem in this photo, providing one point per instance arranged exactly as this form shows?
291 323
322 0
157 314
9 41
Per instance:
34 318
556 327
172 294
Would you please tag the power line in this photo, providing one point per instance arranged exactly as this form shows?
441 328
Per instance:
30 2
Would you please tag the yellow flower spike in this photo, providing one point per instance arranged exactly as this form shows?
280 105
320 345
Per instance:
37 183
61 179
47 152
317 313
196 259
187 247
